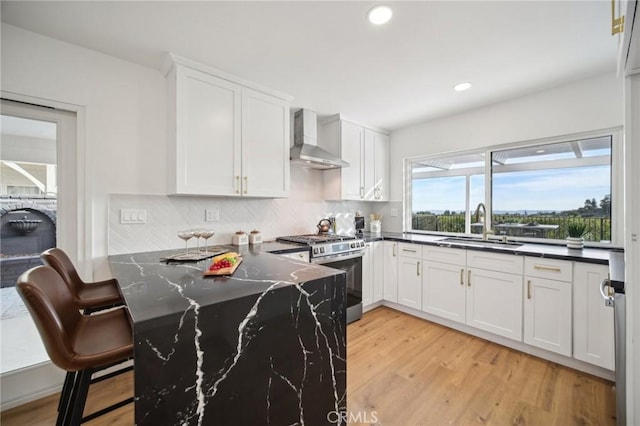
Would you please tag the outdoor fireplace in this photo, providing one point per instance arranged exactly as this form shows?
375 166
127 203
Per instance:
27 228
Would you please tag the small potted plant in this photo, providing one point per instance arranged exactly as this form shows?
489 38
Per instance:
576 232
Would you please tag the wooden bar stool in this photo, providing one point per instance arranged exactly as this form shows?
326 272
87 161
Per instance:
90 297
79 344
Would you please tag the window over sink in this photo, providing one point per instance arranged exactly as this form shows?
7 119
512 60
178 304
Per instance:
533 190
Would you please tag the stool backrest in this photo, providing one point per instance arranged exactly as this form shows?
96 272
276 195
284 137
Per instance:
53 310
58 260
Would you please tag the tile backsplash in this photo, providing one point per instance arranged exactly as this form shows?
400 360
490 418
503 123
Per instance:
166 215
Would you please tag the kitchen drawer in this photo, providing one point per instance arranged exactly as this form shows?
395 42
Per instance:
410 250
552 269
444 255
494 261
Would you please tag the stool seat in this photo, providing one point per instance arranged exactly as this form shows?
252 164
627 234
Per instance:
102 339
88 296
98 294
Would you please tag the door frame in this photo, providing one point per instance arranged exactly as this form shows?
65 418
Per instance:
80 222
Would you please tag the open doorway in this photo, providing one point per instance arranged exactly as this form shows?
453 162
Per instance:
33 139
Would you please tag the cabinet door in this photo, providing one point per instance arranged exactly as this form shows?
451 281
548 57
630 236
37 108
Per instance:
381 168
494 302
443 290
352 147
390 271
592 320
410 282
547 314
378 270
265 145
367 276
368 166
207 135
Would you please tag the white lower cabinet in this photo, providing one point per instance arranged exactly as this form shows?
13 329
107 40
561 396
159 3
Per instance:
547 314
547 304
494 302
367 276
372 273
390 271
443 290
410 275
377 249
592 320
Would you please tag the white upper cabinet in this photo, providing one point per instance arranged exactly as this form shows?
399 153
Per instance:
265 145
376 146
225 139
367 152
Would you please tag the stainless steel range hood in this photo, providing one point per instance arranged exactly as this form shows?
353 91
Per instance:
305 151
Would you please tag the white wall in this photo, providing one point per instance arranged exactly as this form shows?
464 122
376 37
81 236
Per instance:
125 131
591 104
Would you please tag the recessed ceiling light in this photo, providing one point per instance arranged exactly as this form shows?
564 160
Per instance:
540 151
461 87
379 15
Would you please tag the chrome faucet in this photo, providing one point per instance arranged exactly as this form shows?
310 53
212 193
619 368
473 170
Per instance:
485 231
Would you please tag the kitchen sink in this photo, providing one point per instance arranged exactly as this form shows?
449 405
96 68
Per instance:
476 242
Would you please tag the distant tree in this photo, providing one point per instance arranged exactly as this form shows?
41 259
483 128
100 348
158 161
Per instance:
605 205
447 213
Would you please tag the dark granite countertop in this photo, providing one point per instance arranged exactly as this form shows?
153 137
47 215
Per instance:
153 288
587 255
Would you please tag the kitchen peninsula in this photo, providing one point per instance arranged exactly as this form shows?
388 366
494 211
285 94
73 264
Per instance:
266 345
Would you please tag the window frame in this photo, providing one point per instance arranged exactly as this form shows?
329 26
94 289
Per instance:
616 180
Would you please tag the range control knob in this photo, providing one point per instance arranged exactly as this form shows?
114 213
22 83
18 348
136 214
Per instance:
353 245
315 250
321 249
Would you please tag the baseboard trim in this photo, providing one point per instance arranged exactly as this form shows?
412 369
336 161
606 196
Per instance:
29 384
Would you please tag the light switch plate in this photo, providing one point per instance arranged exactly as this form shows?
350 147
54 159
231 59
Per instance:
211 215
394 213
137 216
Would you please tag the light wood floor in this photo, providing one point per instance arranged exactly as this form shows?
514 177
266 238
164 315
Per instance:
405 371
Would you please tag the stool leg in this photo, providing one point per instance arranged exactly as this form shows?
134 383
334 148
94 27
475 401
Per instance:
65 396
78 399
66 390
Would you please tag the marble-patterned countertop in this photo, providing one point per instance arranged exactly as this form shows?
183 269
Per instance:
153 288
587 255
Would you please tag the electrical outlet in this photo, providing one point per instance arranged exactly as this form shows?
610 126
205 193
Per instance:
212 215
129 216
394 213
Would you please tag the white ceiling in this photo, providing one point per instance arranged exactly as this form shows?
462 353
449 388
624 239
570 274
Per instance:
332 60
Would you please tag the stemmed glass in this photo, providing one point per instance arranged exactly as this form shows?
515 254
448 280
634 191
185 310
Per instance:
206 234
186 236
198 233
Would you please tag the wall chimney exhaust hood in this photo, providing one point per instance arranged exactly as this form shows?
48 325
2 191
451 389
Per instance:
305 151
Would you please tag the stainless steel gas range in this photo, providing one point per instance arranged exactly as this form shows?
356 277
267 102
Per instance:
341 252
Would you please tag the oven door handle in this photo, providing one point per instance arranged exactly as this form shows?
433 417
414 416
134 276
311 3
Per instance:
337 258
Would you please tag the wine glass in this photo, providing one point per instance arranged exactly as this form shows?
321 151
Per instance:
197 233
206 234
186 236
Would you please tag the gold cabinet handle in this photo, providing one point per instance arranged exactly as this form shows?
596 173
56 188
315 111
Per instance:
394 249
246 184
461 276
237 184
410 251
418 269
547 268
362 192
617 24
469 278
528 289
